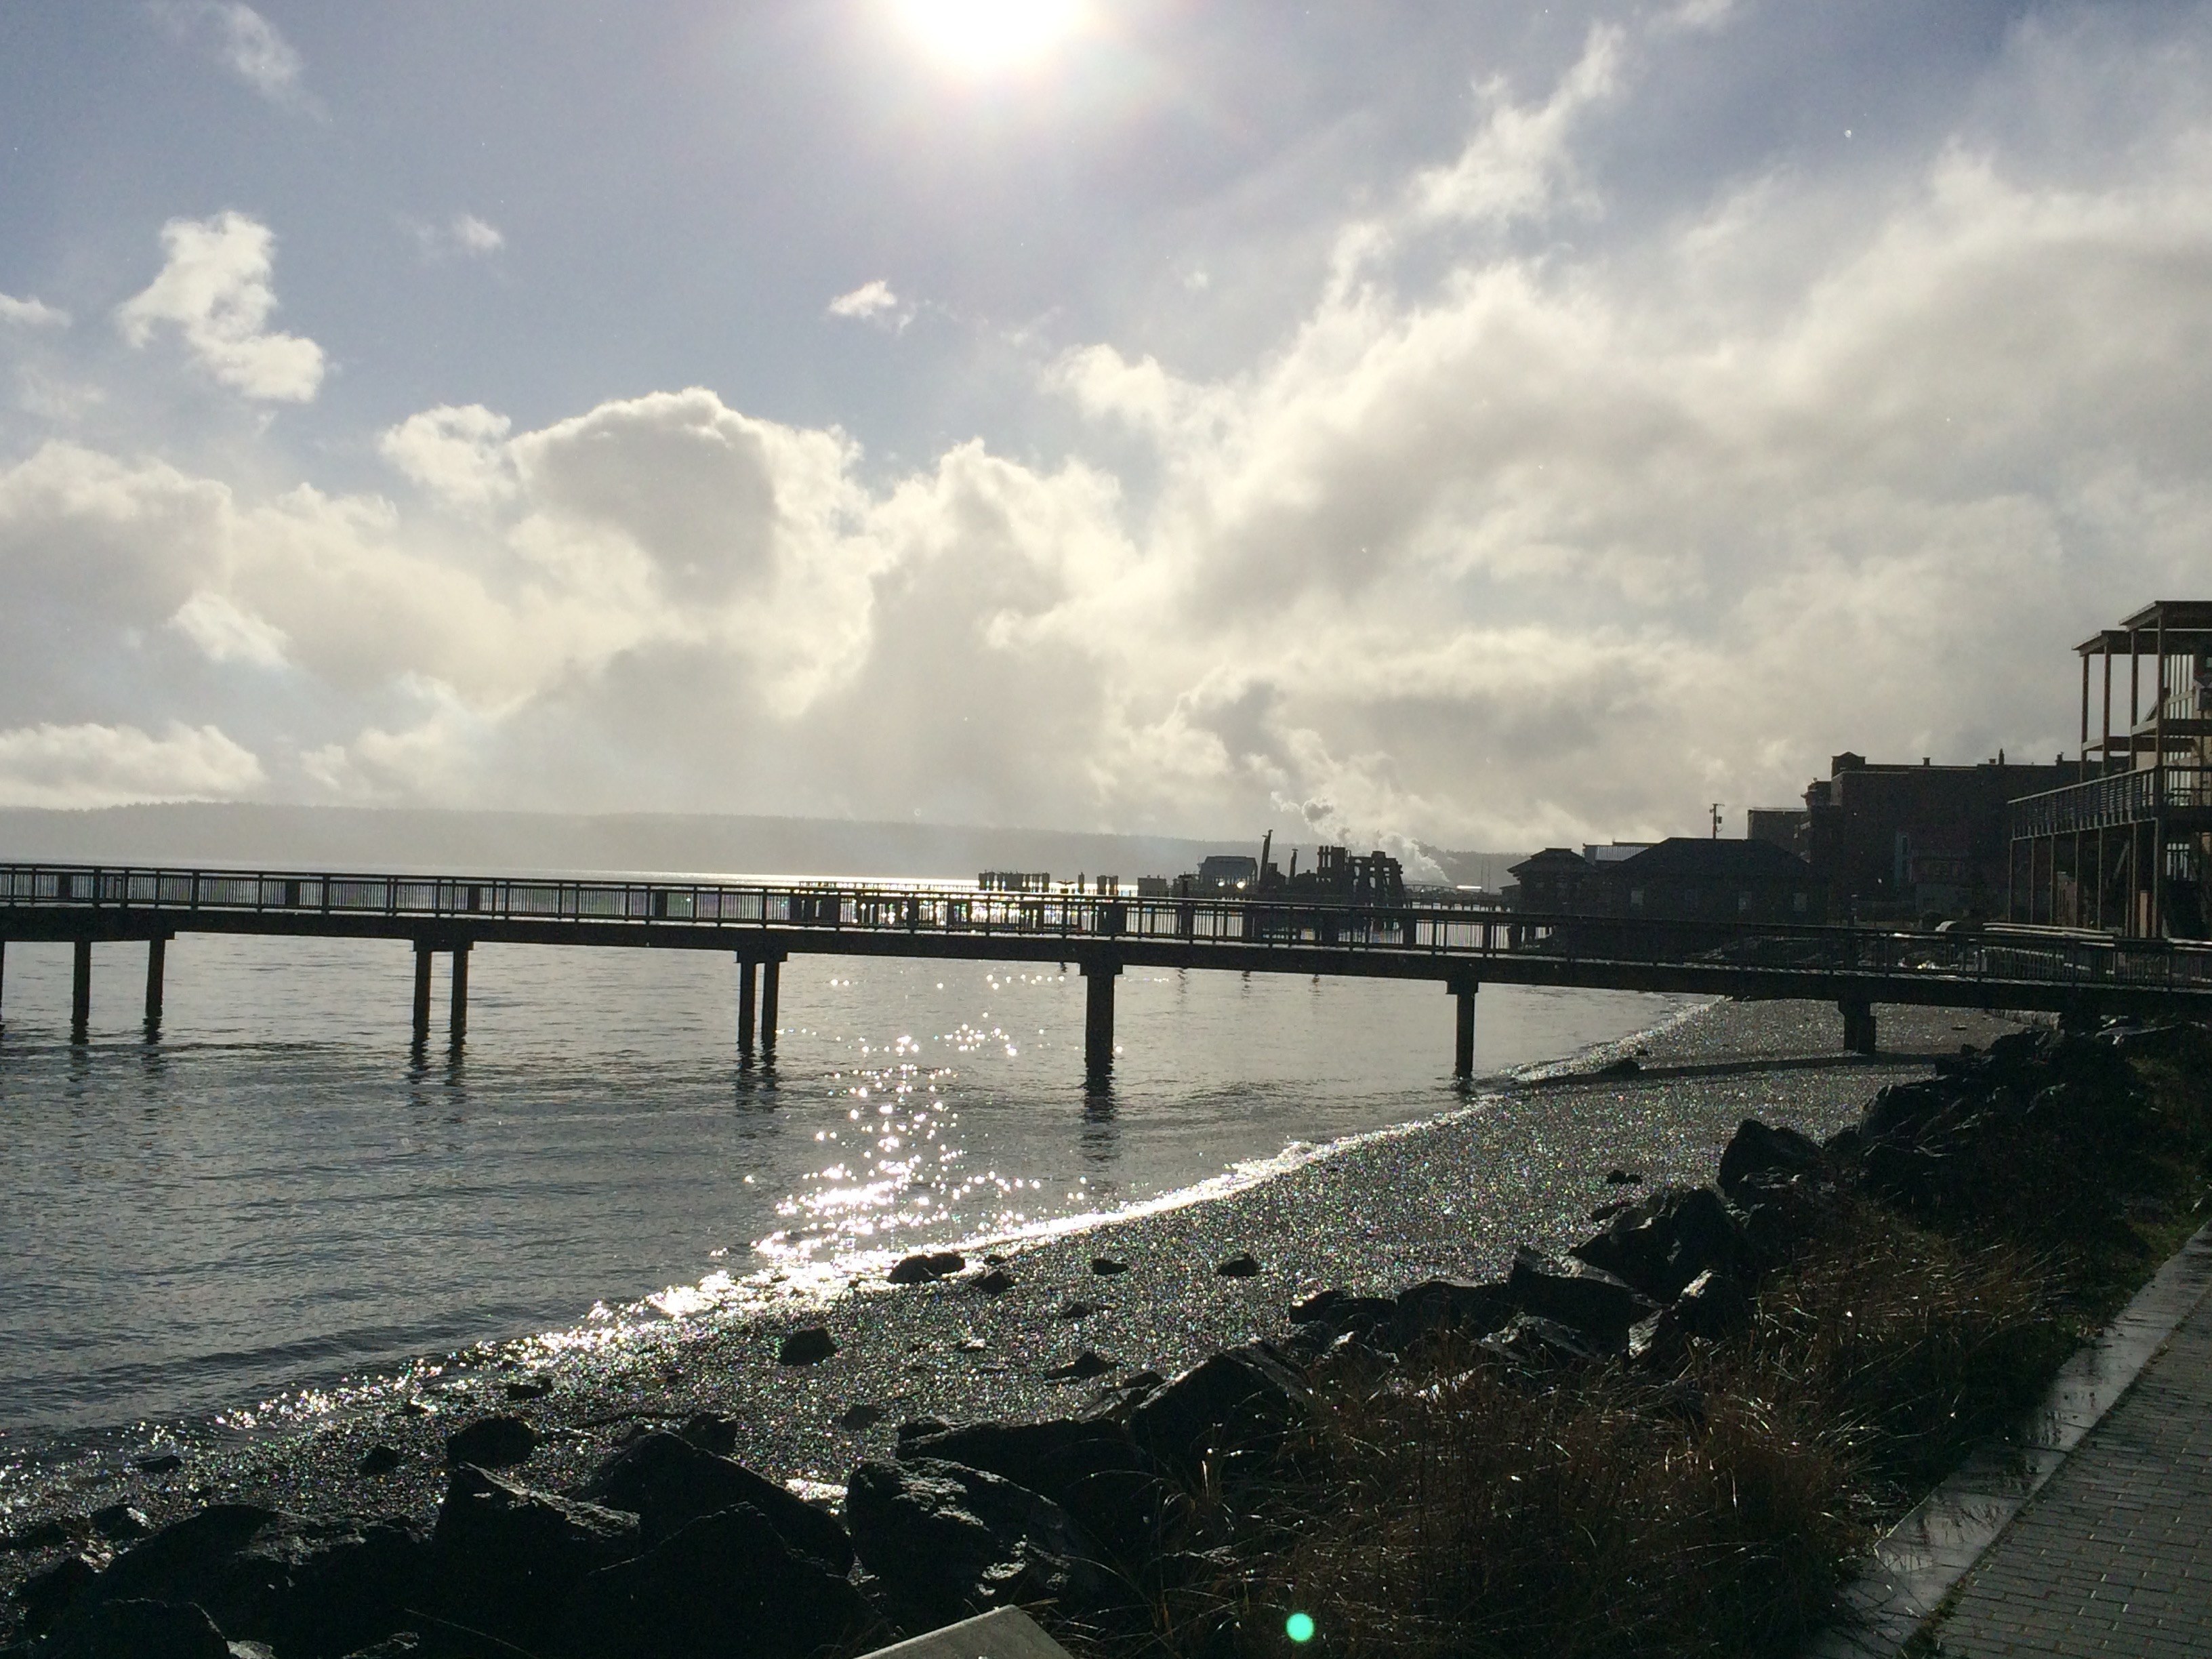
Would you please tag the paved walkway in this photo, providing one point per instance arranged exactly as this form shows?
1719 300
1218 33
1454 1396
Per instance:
2113 1555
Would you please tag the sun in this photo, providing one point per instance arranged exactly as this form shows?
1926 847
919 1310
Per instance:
985 36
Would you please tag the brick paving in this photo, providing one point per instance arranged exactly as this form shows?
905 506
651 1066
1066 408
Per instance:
2114 1554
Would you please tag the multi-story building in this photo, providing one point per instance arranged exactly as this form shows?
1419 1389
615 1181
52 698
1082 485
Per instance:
2123 844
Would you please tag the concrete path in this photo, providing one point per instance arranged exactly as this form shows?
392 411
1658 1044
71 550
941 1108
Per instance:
2113 1554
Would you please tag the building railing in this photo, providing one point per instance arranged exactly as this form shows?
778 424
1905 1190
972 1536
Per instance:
2124 798
1086 924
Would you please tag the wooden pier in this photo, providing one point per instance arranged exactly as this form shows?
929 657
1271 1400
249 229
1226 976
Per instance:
2079 975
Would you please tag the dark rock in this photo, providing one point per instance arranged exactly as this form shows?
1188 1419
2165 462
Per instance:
1623 1178
1243 1266
1091 1468
380 1460
402 1644
859 1416
528 1388
141 1629
1079 1310
1104 1264
1713 1306
165 1463
1661 1244
45 1595
309 1588
505 1557
48 1532
1757 1148
119 1523
1593 1302
491 1442
927 1267
997 1282
1436 1304
725 1582
810 1346
668 1483
1333 1312
1607 1211
915 1428
1240 1401
1531 1343
946 1541
711 1431
1087 1364
1625 1067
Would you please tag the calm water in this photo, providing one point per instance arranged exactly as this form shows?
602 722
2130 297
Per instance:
273 1194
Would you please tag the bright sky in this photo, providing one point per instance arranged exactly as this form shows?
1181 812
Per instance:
1489 423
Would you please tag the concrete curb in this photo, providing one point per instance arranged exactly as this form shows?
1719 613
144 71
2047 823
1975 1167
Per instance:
1916 1565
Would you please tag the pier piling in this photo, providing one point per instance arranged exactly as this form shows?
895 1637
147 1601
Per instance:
80 993
460 1021
1859 1025
1098 1018
423 954
1463 1027
157 950
748 974
771 972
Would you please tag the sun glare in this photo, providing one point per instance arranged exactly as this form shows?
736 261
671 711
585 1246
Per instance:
982 37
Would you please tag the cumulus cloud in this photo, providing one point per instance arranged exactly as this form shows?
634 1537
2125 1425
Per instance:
225 633
94 765
31 313
1515 543
458 455
214 291
242 40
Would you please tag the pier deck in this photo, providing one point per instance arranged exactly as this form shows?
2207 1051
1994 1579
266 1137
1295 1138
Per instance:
2073 974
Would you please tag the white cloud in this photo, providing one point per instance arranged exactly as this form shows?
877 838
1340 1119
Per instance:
462 235
872 303
1522 157
94 765
457 453
31 313
242 40
214 291
226 634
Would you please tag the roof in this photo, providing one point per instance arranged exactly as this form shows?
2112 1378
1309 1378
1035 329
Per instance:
1718 860
2188 625
1552 858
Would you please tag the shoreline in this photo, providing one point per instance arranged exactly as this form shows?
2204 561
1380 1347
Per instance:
1451 1196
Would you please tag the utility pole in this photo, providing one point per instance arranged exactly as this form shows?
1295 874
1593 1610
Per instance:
1716 811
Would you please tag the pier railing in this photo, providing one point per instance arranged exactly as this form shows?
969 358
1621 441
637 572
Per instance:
1086 924
2123 798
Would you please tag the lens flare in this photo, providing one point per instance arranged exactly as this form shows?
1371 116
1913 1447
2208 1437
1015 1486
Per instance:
1299 1628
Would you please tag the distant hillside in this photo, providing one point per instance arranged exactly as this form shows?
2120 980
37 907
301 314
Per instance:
372 838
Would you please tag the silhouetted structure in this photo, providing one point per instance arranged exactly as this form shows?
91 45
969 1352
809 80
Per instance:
1900 842
2122 845
1685 878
